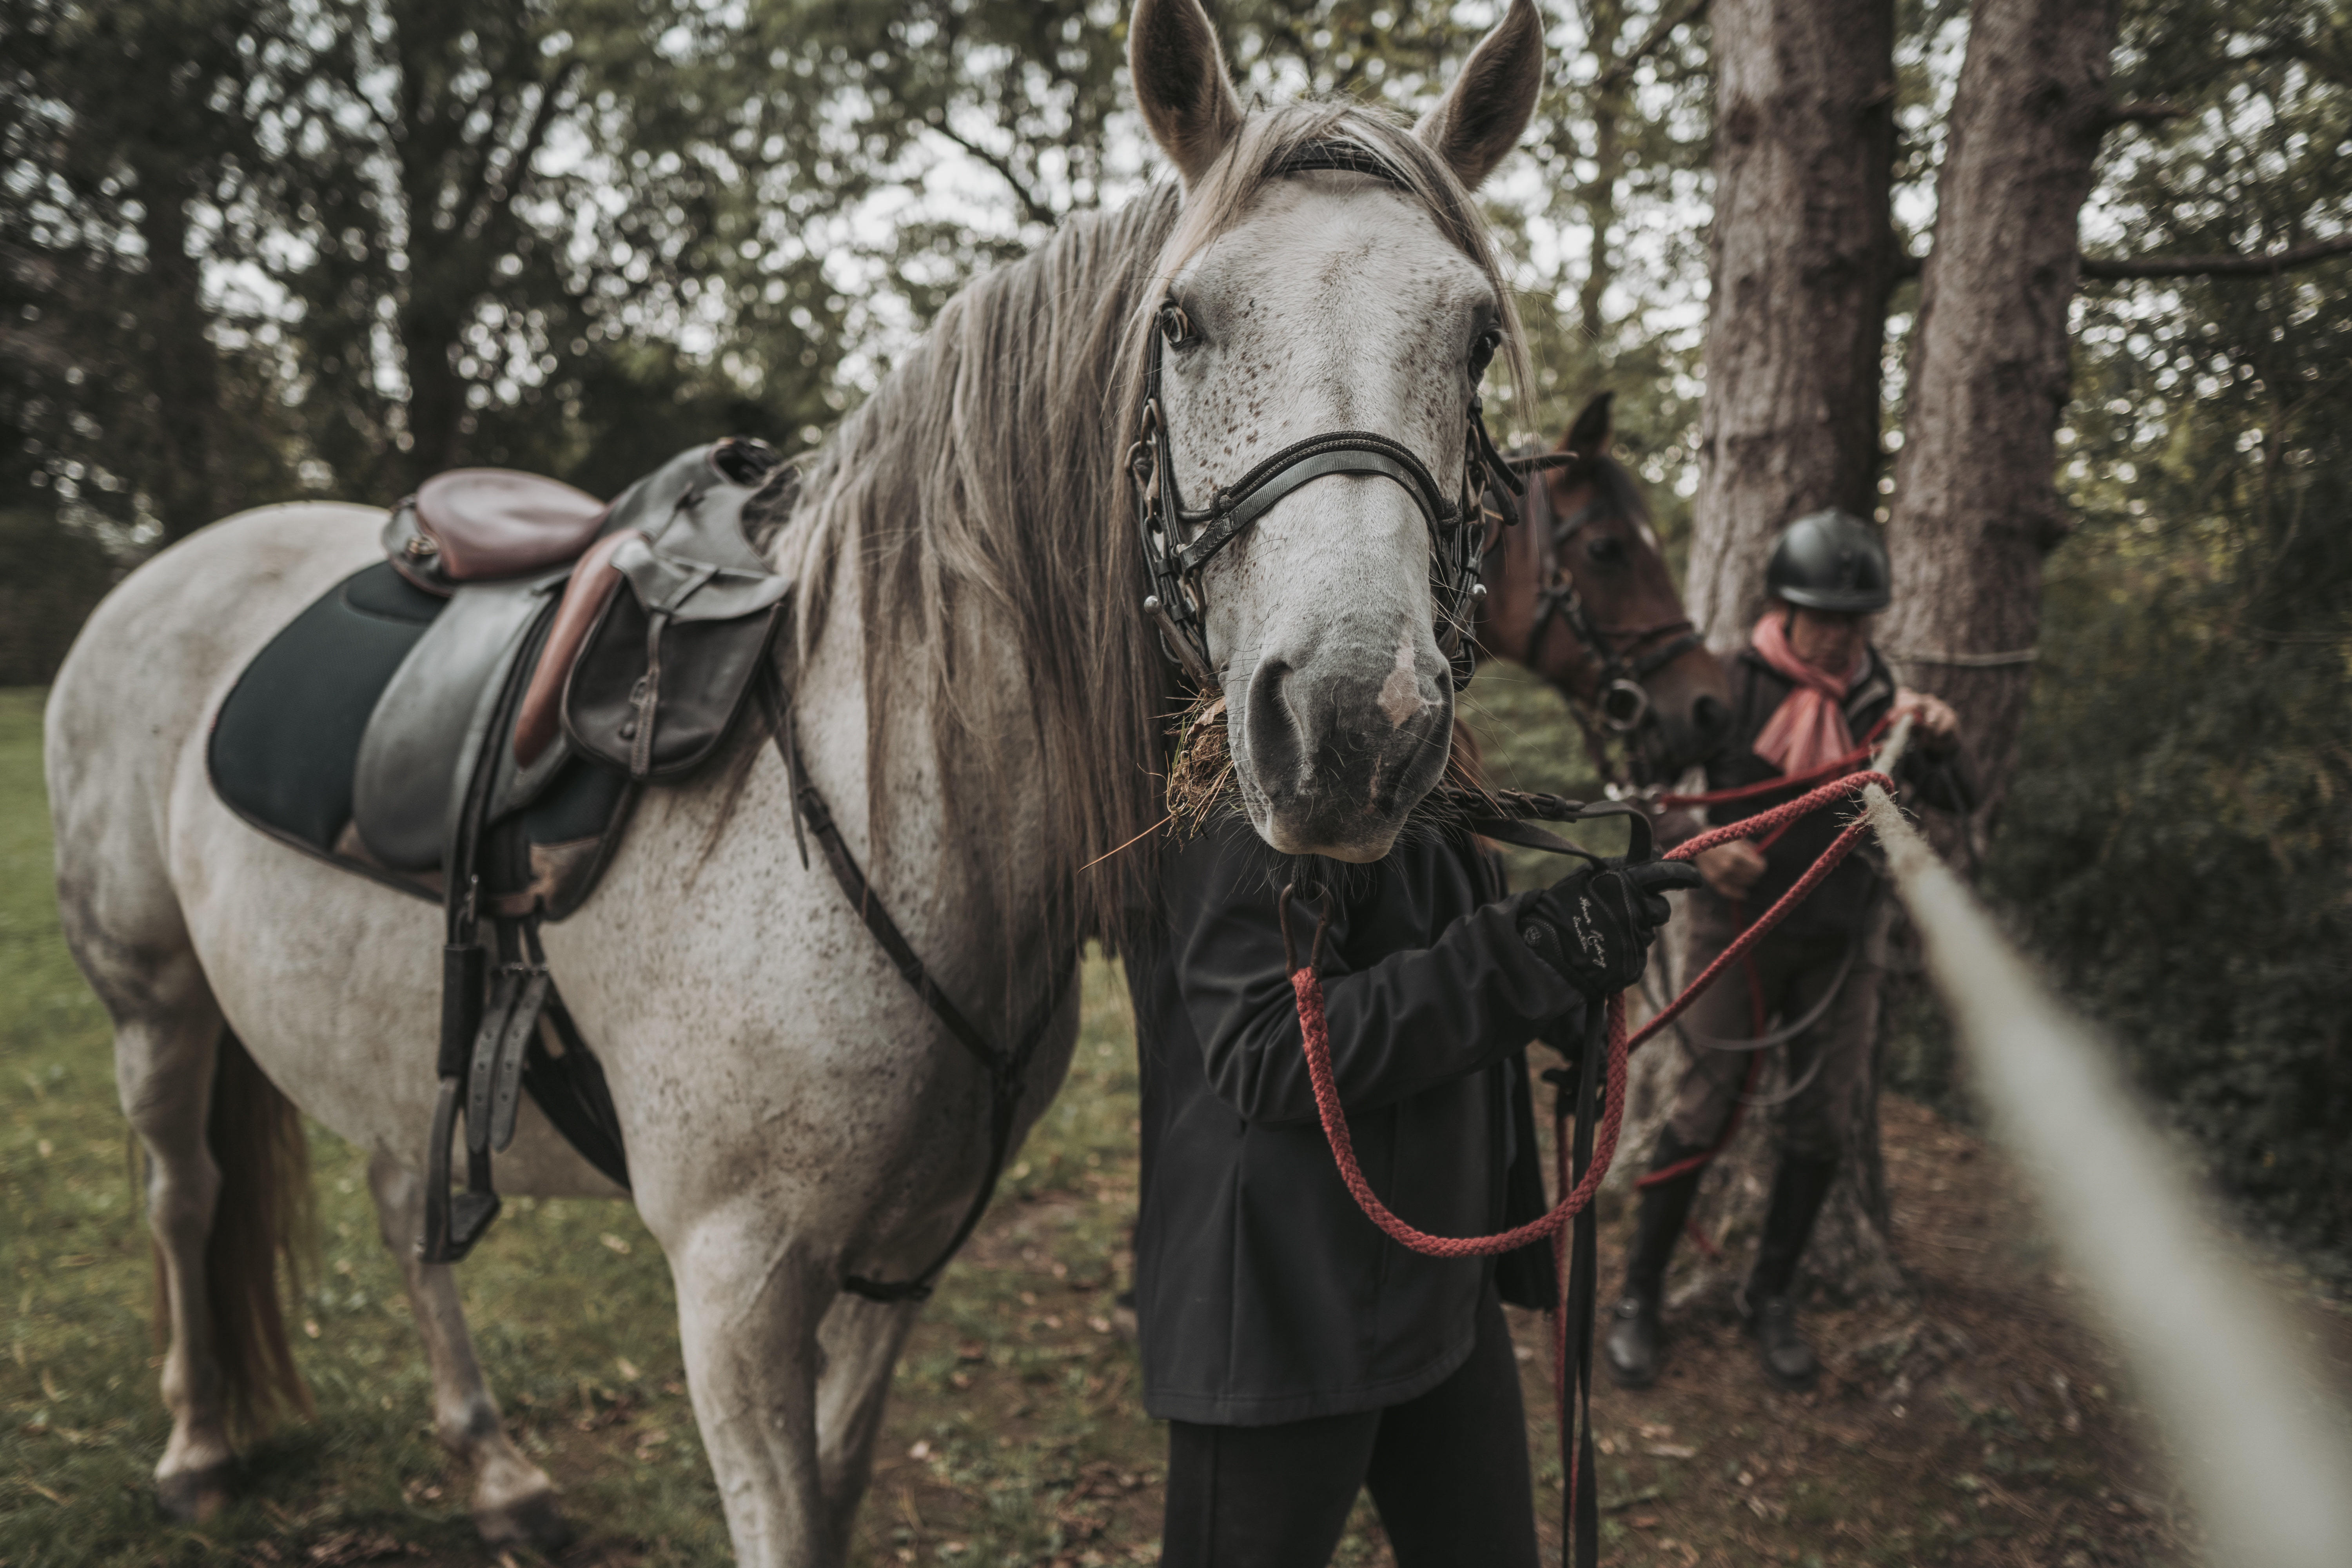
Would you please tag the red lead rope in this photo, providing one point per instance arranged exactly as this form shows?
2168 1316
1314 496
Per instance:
1315 1035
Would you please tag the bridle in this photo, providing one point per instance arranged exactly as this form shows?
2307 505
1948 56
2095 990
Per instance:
1626 654
1180 540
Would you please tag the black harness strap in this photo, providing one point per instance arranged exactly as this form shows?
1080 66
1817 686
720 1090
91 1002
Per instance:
1008 1071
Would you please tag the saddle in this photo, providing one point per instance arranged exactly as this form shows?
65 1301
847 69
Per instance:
472 718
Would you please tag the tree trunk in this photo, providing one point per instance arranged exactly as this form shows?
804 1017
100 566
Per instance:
183 367
1805 254
1612 100
1805 257
1975 505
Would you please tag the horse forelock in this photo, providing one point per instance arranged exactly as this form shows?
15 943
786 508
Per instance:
986 474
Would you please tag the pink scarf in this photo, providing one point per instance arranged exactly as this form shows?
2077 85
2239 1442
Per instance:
1808 731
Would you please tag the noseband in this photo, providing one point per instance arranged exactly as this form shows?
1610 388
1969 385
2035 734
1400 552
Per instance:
1180 540
1624 700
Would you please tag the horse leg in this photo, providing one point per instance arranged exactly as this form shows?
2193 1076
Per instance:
164 1061
860 1339
748 1304
513 1501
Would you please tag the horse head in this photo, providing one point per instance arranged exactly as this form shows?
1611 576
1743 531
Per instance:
1581 594
1327 303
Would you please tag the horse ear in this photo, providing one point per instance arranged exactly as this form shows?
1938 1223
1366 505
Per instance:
1480 118
1181 83
1588 436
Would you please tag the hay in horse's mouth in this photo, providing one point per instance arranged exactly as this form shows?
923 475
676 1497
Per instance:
1201 781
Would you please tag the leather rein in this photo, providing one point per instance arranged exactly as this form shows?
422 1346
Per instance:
1179 541
1007 1067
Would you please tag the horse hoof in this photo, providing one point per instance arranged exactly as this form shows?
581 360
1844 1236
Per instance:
531 1521
194 1496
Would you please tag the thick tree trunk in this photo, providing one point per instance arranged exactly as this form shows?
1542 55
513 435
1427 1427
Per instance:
1804 257
1975 505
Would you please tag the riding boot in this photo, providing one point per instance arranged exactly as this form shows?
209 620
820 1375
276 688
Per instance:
1631 1351
1765 1305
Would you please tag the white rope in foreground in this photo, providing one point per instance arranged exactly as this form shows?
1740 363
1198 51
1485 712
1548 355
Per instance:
2260 1442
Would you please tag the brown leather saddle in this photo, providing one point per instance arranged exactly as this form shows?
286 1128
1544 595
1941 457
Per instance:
623 639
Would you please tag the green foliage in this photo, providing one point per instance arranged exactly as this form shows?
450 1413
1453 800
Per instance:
2176 839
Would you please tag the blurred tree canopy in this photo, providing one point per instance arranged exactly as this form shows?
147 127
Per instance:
252 250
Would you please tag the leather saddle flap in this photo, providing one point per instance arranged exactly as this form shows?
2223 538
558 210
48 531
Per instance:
421 743
483 524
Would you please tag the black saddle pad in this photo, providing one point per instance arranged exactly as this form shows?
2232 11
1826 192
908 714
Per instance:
285 746
285 743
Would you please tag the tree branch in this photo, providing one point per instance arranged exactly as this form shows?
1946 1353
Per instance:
1037 210
497 226
2143 112
2223 265
1651 41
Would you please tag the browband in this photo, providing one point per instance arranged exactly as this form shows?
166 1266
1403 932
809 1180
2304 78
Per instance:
1344 157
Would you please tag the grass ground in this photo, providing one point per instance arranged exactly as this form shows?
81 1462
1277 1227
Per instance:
1972 1423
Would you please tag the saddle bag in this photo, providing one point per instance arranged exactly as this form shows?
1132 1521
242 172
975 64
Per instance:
669 662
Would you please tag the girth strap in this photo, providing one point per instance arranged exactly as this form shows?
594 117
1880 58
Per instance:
1008 1071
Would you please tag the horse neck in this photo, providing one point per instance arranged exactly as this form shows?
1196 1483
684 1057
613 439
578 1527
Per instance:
956 839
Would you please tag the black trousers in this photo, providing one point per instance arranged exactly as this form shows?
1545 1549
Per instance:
1448 1472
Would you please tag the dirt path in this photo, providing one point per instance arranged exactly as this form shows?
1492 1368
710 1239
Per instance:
1977 1423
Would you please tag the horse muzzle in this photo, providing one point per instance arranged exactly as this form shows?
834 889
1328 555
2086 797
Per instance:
1332 761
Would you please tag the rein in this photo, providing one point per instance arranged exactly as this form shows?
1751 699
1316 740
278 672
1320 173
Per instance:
1584 1157
1007 1069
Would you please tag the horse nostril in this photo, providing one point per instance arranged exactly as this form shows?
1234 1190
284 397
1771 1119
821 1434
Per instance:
1709 716
1275 745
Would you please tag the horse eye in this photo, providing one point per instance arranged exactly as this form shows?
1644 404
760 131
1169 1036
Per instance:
1482 352
1176 327
1606 548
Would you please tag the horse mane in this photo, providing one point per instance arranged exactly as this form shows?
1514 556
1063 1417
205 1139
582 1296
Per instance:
985 477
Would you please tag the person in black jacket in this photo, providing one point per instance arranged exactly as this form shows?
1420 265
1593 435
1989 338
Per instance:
1806 692
1297 1355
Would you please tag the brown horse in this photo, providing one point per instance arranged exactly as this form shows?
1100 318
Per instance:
1578 593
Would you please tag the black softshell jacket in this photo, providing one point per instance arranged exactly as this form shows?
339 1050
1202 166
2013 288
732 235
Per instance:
1263 1293
1839 906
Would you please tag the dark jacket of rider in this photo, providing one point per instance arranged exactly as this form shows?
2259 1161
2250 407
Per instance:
1264 1295
1841 905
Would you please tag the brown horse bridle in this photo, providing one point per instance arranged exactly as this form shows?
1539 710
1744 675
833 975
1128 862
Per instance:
1627 655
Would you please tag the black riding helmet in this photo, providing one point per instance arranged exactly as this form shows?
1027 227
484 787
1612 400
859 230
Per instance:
1833 561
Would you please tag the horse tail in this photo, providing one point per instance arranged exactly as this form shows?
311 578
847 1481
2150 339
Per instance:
262 1216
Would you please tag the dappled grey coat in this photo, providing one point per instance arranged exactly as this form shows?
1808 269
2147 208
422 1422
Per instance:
1263 1293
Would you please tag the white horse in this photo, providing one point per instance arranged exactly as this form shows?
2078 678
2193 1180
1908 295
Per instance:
979 698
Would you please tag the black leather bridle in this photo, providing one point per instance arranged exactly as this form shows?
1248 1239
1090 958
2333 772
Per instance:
1627 658
1180 540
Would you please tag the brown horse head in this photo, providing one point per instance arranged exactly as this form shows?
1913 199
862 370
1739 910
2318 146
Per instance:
1578 593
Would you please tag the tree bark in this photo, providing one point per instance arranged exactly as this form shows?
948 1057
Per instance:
1976 507
182 366
1805 254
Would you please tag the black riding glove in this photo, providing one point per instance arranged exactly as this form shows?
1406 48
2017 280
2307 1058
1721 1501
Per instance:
1596 926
